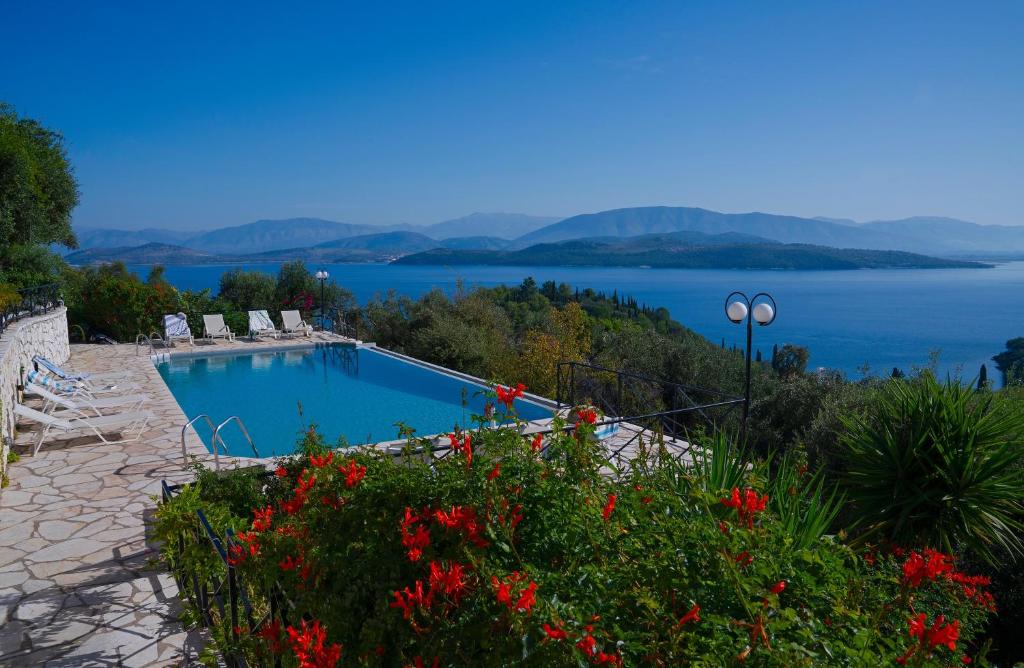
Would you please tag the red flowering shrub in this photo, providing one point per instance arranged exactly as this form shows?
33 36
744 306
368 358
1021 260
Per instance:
496 555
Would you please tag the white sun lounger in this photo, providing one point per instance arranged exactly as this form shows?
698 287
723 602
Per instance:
292 323
260 324
84 404
214 328
176 329
134 422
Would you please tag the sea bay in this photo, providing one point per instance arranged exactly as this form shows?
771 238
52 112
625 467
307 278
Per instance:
850 320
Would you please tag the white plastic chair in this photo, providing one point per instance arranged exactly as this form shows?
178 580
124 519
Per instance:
292 323
214 328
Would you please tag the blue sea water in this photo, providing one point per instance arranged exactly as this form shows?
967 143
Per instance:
849 319
349 392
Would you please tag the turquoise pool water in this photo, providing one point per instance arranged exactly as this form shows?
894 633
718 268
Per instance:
356 393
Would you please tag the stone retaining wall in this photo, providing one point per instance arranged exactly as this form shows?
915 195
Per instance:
45 335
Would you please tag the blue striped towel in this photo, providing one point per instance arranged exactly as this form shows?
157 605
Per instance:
42 380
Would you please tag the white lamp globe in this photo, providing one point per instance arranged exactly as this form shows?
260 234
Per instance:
763 313
322 275
737 311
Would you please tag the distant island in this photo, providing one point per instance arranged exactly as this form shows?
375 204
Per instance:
664 251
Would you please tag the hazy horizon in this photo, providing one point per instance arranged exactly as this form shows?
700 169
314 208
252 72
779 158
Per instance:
193 116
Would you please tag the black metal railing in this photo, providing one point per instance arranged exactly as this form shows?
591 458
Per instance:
220 595
33 301
678 408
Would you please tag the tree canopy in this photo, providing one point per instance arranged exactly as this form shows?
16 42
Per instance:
38 189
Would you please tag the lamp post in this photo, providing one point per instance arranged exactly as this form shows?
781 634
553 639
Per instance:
739 307
322 276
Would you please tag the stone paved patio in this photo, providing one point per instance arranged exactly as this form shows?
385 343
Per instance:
76 588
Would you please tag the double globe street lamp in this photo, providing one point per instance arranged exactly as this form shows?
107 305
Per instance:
760 308
322 276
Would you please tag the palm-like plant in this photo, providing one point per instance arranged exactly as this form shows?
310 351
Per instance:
938 465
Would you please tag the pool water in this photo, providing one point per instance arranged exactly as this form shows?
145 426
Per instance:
355 393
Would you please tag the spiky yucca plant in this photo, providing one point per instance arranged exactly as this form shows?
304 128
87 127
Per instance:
937 465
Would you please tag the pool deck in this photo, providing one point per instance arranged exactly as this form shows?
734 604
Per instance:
78 584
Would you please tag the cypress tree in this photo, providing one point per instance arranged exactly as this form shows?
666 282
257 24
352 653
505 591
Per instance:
983 377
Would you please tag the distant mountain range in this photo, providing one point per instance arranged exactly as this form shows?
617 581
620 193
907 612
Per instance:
271 235
938 236
510 234
693 250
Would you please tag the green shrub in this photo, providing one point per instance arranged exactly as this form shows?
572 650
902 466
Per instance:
510 558
937 464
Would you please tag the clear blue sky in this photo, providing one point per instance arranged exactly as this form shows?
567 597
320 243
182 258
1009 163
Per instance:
195 115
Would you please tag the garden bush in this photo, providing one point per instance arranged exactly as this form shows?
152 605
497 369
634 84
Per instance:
515 550
938 464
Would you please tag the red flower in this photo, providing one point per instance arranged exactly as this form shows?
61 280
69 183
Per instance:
556 633
465 445
503 591
414 541
509 395
294 505
744 558
417 662
527 598
289 564
409 600
320 461
943 634
586 415
928 567
778 587
587 645
271 634
263 518
463 519
450 582
354 473
748 506
537 442
609 507
308 646
693 615
281 472
495 472
940 633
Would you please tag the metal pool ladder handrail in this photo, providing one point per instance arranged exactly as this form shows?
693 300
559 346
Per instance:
184 453
245 432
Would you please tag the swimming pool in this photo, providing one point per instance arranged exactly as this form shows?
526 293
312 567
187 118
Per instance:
358 393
